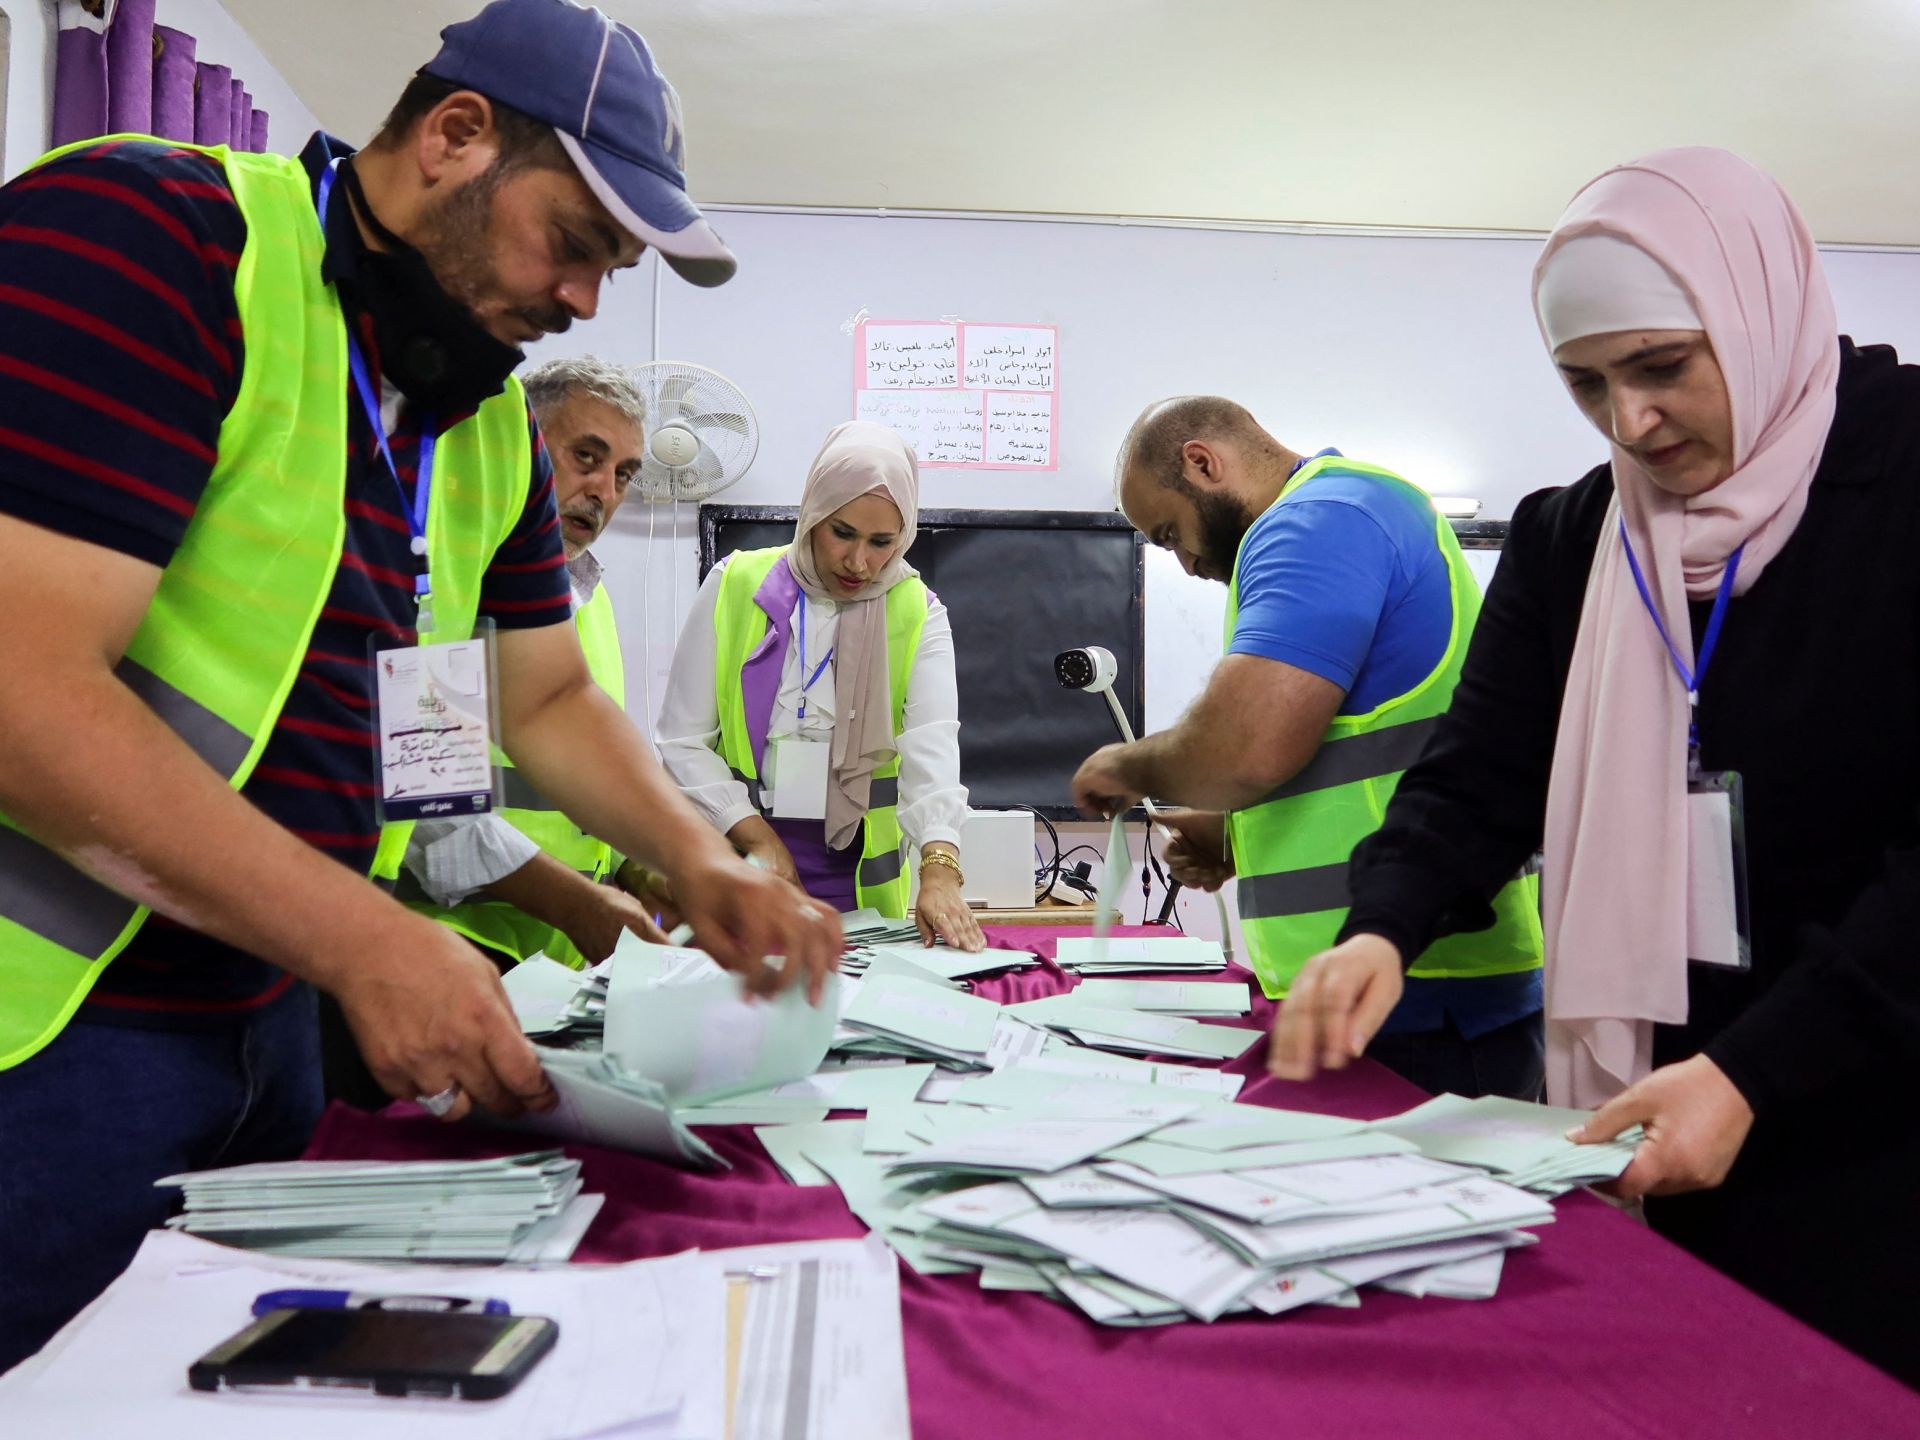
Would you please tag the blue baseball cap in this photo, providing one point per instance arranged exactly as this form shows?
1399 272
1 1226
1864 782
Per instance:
594 81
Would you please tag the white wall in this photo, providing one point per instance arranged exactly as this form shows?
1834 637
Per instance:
221 42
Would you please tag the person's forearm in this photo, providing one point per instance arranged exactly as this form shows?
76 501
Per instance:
546 889
586 757
1183 767
138 811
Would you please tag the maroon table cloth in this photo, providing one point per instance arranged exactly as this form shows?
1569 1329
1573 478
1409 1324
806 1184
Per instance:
1601 1330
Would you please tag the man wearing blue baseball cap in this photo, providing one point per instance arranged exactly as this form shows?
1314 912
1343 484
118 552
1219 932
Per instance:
277 535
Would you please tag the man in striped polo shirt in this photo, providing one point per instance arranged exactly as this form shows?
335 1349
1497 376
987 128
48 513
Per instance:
539 151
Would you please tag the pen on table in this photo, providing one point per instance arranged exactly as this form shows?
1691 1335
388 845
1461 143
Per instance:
359 1300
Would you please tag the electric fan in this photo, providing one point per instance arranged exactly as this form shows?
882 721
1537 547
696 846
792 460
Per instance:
701 432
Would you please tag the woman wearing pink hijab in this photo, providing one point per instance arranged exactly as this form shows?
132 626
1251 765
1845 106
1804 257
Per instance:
811 712
1736 592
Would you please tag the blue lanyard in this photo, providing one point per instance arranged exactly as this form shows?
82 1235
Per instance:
1689 678
415 509
807 680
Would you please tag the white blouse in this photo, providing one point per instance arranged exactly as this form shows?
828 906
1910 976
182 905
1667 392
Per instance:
933 802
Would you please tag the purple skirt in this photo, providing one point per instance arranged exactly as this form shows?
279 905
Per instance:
824 874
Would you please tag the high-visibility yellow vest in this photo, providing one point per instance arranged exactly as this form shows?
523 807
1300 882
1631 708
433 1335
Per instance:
229 625
1290 850
881 881
495 923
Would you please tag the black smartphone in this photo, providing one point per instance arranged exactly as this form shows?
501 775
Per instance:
391 1352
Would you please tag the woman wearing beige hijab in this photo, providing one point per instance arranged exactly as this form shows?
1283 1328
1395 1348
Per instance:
811 712
1736 592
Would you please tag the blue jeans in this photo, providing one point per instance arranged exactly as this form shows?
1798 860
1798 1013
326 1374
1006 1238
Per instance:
1510 1061
89 1123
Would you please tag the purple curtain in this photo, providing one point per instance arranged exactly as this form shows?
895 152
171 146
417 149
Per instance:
79 85
130 68
136 77
213 105
239 115
173 71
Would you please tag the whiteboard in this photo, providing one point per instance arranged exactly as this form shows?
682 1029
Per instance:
1415 352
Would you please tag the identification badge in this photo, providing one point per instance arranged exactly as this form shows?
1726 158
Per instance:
797 771
1719 932
434 718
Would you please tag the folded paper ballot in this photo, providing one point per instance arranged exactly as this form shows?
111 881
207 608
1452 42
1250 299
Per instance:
657 1038
1525 1144
1170 997
897 1014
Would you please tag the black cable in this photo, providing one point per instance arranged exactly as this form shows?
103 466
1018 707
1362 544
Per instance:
1043 887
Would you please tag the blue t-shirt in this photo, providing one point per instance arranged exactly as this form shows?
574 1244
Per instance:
1344 578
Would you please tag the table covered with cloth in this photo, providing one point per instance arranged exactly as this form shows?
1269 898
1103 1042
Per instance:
1601 1330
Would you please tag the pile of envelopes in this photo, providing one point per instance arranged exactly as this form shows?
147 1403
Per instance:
518 1207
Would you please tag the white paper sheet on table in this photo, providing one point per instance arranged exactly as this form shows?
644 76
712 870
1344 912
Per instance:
641 1345
822 1354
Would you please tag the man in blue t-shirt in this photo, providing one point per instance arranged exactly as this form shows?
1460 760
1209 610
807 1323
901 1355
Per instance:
1344 603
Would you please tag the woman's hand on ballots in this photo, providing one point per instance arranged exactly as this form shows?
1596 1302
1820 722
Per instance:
1695 1121
1340 998
941 912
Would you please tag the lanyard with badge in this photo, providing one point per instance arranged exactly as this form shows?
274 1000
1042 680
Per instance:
797 768
1719 932
433 703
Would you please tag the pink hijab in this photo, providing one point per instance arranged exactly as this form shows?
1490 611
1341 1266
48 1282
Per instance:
858 458
1616 824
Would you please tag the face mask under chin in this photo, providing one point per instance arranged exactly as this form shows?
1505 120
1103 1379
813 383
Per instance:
432 348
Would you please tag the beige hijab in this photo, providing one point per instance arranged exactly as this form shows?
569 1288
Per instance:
857 459
1616 825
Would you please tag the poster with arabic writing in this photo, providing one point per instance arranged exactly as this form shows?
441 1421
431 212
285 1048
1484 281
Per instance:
966 395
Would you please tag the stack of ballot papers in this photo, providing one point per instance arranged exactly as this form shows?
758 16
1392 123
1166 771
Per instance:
779 1342
866 928
1524 1144
518 1207
1124 954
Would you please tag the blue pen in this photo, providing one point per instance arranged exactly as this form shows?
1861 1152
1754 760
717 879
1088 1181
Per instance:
358 1300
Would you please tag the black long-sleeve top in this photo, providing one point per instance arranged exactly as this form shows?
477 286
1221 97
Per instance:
1813 695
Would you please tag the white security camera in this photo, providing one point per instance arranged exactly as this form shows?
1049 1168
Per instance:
1091 668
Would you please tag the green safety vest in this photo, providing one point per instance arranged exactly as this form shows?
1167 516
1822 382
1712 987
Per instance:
1290 850
228 627
495 923
881 882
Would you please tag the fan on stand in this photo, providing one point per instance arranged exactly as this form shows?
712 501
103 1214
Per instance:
701 438
701 432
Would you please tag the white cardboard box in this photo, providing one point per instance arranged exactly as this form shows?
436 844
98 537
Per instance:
996 852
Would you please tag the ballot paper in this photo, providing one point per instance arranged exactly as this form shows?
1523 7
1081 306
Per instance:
913 1017
707 1039
1140 953
1169 997
601 1102
1523 1143
640 1352
947 962
1023 1146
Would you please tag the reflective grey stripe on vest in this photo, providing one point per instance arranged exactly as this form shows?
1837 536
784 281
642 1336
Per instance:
43 893
881 869
1360 757
520 791
1293 892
